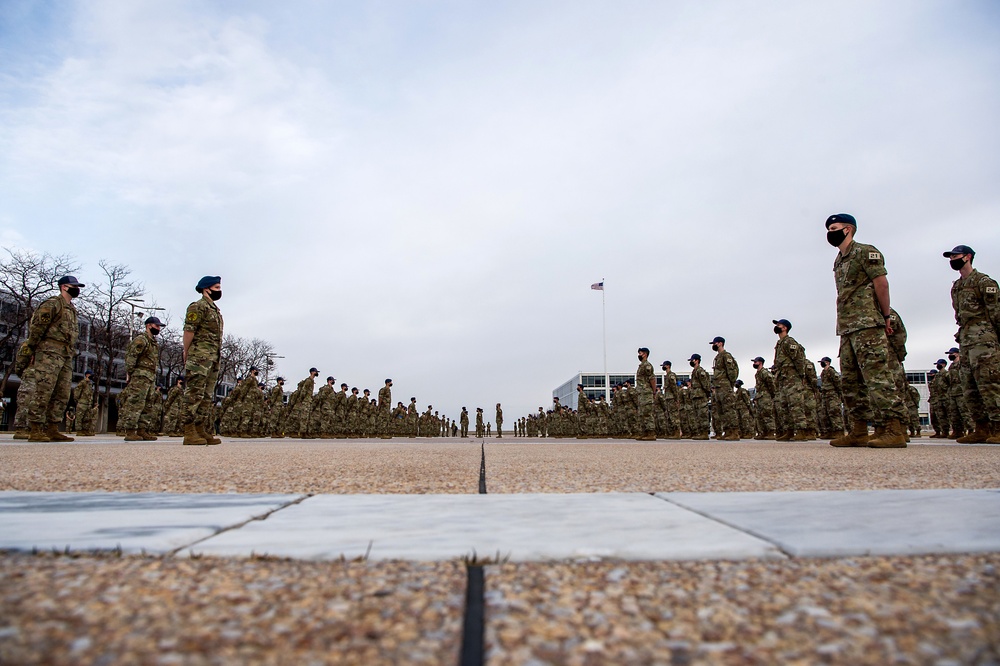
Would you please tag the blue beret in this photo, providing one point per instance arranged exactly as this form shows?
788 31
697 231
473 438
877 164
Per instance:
842 217
207 281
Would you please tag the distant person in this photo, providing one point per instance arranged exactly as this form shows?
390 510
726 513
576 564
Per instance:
499 419
203 327
142 360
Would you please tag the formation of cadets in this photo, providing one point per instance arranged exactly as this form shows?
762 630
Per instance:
790 402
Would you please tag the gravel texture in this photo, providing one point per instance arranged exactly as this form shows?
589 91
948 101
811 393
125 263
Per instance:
243 466
942 610
61 610
621 466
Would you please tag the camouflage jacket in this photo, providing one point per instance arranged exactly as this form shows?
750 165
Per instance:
671 391
173 395
725 371
142 356
897 341
204 319
275 397
53 327
854 272
789 359
644 376
830 381
977 310
384 398
701 383
764 383
499 418
84 393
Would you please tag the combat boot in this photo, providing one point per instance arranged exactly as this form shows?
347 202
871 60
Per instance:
85 433
132 435
192 437
995 437
38 433
205 435
55 436
147 436
977 436
893 436
733 436
21 434
956 434
785 436
802 436
857 437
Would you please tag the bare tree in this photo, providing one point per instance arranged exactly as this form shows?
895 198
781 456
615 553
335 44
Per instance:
111 320
26 279
239 355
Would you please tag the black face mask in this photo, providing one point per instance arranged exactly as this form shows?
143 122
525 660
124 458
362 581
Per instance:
691 363
756 366
154 332
941 367
952 357
777 329
215 294
835 238
957 264
73 292
715 348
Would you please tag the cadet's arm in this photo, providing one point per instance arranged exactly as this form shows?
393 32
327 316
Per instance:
881 284
188 339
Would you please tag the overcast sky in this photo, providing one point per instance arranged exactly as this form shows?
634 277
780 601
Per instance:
426 190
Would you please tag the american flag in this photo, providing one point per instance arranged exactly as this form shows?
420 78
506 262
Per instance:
599 286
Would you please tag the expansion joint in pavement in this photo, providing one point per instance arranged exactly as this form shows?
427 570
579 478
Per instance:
482 472
473 652
734 526
236 526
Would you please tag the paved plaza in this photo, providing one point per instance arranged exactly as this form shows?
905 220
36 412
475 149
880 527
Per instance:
291 551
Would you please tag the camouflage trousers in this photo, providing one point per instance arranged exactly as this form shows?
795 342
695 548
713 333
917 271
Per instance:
200 377
981 382
671 417
85 416
867 379
939 416
53 375
724 405
645 418
831 415
700 418
765 413
139 404
958 411
747 426
791 399
499 428
25 395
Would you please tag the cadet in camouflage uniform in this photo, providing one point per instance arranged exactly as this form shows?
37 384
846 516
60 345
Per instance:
251 402
975 298
463 420
298 418
937 386
671 402
172 408
810 397
645 393
744 409
831 411
480 428
84 396
384 407
958 410
499 420
701 389
276 408
142 358
203 326
49 349
725 372
25 395
863 324
790 377
913 402
764 398
320 410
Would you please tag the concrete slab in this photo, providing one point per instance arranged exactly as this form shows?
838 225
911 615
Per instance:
153 522
529 527
872 522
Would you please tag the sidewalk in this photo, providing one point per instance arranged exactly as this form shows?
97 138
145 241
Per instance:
518 528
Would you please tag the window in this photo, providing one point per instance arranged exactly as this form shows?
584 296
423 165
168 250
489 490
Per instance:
916 377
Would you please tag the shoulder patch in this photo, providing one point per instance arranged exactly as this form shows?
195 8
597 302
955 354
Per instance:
990 290
874 256
793 346
192 317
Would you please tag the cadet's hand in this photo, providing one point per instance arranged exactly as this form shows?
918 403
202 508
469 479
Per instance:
888 327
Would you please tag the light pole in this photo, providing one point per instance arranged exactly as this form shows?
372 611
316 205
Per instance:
136 303
268 364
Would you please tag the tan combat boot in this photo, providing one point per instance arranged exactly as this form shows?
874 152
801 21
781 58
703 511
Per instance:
857 437
977 436
192 437
52 431
208 437
732 436
802 436
147 436
132 435
21 434
37 433
892 437
785 436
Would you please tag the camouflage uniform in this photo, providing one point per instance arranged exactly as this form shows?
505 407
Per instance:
141 360
52 336
938 389
671 405
645 379
25 396
463 421
958 410
85 412
913 403
172 410
725 372
832 415
499 422
744 410
201 369
385 412
976 302
865 371
701 389
764 396
790 378
810 396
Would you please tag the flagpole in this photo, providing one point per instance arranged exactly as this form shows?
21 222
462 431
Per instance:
604 331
